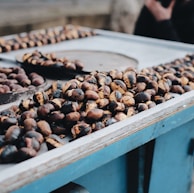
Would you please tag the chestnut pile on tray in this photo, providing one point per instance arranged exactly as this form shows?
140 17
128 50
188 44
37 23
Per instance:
15 79
38 58
87 104
43 37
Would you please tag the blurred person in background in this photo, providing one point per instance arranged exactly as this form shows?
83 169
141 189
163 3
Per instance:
167 19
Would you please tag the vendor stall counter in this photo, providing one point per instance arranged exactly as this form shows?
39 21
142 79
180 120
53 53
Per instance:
151 151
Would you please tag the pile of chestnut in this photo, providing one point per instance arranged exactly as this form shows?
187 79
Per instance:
15 79
38 58
43 37
87 104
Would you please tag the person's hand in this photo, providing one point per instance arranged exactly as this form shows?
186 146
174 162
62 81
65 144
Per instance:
159 12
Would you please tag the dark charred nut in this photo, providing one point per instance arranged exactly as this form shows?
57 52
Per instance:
128 101
8 153
115 96
116 106
91 95
81 129
142 97
150 104
44 110
177 89
159 99
55 116
140 86
32 143
25 153
152 85
73 116
30 124
97 126
2 140
76 94
142 107
44 127
116 74
104 91
53 141
58 129
34 134
26 104
118 85
143 78
120 116
69 106
13 133
40 98
88 86
102 103
95 114
129 78
6 122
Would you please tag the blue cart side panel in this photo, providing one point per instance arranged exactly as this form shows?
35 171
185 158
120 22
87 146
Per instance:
172 165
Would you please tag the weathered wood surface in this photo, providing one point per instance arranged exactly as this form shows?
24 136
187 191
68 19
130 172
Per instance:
127 134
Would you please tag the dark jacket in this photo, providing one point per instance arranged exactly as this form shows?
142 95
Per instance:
179 28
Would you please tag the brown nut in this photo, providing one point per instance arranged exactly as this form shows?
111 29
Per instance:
55 116
95 114
91 95
177 89
44 110
128 101
30 124
44 127
120 116
13 133
34 134
116 74
102 103
73 116
76 94
25 153
104 91
69 106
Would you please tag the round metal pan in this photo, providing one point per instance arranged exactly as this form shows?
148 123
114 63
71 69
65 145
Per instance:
92 59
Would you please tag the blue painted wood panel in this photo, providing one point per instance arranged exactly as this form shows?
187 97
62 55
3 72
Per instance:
172 165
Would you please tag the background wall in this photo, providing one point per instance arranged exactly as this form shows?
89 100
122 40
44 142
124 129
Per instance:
25 15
